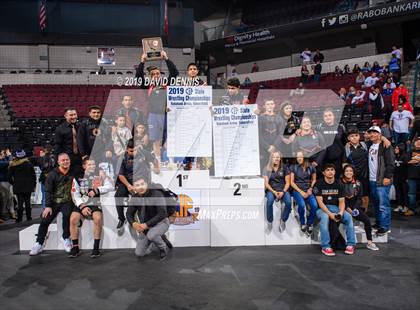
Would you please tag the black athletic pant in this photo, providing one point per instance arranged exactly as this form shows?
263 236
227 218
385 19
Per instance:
66 210
401 192
121 193
362 217
23 199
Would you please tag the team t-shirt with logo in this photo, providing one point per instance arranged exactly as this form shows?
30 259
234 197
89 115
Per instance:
330 192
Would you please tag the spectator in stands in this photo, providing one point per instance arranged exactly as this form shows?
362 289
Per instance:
377 102
356 154
65 140
332 207
400 90
46 163
93 137
153 222
386 131
346 69
353 192
360 78
304 74
255 68
302 181
58 199
381 170
22 177
397 52
132 115
157 99
141 138
311 142
299 91
376 67
306 56
317 71
351 93
338 71
233 95
370 80
335 138
277 183
5 186
413 178
120 135
247 82
394 67
271 127
388 87
292 123
135 162
86 190
356 69
358 98
400 177
400 122
342 93
366 67
318 56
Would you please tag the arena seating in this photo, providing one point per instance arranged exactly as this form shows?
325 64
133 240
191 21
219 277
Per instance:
38 109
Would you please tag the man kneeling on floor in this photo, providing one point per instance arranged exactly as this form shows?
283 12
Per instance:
331 201
150 206
85 193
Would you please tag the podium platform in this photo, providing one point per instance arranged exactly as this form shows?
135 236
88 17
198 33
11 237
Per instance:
213 212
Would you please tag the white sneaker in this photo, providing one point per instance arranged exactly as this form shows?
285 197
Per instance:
36 249
268 228
67 244
372 246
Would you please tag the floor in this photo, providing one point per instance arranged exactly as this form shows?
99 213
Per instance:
278 277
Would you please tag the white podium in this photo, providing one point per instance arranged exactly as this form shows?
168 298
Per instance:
213 212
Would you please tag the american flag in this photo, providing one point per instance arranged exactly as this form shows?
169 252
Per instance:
42 15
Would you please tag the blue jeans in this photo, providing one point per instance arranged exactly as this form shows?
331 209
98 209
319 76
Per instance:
400 137
42 195
379 196
270 201
324 222
311 200
413 185
317 77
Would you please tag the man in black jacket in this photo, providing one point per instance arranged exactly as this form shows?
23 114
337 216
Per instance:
57 199
156 91
22 177
381 170
94 131
65 140
132 115
150 206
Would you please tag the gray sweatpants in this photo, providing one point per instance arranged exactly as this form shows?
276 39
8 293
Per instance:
154 235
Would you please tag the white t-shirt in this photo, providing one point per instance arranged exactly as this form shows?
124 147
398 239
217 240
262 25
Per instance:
370 81
373 161
306 56
397 53
401 121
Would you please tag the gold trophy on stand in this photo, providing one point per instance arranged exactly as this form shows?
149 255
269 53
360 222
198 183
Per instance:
152 47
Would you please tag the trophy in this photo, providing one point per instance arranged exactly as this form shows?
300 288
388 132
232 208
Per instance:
152 48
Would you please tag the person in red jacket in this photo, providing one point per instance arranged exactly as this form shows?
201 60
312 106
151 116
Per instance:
400 90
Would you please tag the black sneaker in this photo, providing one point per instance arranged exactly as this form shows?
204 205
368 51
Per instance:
376 226
95 253
381 232
167 242
74 252
309 230
303 228
120 224
162 254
